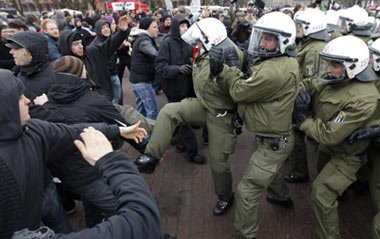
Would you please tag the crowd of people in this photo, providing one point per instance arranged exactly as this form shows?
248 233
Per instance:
291 77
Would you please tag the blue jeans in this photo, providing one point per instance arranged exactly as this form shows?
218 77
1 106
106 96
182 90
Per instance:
116 88
146 100
156 85
53 214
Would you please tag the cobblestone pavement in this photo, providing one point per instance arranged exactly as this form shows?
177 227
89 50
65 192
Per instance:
185 197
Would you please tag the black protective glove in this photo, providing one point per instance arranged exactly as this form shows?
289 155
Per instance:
186 69
231 57
303 101
364 133
216 60
299 117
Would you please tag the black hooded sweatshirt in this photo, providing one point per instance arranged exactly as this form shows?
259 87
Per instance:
95 58
24 151
137 214
72 102
38 75
99 39
173 53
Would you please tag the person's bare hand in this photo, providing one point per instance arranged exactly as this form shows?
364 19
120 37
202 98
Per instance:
123 23
40 100
133 132
94 146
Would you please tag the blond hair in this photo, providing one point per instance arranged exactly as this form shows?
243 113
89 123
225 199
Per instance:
47 21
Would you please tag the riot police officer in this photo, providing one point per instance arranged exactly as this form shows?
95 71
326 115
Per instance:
343 98
265 103
213 108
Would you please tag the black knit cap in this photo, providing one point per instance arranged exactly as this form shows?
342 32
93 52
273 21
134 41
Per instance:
145 22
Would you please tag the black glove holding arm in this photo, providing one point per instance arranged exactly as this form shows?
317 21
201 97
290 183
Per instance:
231 57
303 100
216 60
301 105
364 133
185 69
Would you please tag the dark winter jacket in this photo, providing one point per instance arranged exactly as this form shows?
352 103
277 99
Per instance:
71 101
38 75
24 152
52 48
173 53
144 52
99 40
137 213
95 58
6 59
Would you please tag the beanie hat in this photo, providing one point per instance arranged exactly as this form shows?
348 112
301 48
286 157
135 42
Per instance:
145 22
166 16
69 64
108 19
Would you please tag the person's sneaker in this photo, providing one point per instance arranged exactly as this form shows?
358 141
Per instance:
198 159
70 206
288 203
146 163
292 178
222 206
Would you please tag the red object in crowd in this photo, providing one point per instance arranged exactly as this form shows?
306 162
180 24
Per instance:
137 5
196 49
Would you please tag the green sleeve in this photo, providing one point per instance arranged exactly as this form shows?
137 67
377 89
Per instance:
335 131
260 86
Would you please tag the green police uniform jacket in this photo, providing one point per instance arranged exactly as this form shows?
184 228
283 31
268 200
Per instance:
266 99
338 111
213 96
307 57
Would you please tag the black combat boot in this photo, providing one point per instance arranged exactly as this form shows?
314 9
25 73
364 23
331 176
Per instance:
146 163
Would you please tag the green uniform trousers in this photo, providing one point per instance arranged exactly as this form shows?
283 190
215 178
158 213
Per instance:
337 173
222 139
262 174
298 157
132 116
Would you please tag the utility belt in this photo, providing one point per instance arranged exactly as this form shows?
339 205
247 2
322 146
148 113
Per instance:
237 121
274 142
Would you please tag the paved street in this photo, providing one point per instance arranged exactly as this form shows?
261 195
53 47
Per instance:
185 197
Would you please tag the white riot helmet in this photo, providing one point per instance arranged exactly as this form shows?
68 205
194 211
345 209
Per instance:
314 24
349 52
374 49
282 27
355 19
209 31
332 19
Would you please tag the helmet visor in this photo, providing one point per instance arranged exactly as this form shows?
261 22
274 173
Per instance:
374 60
331 70
344 24
264 43
191 36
